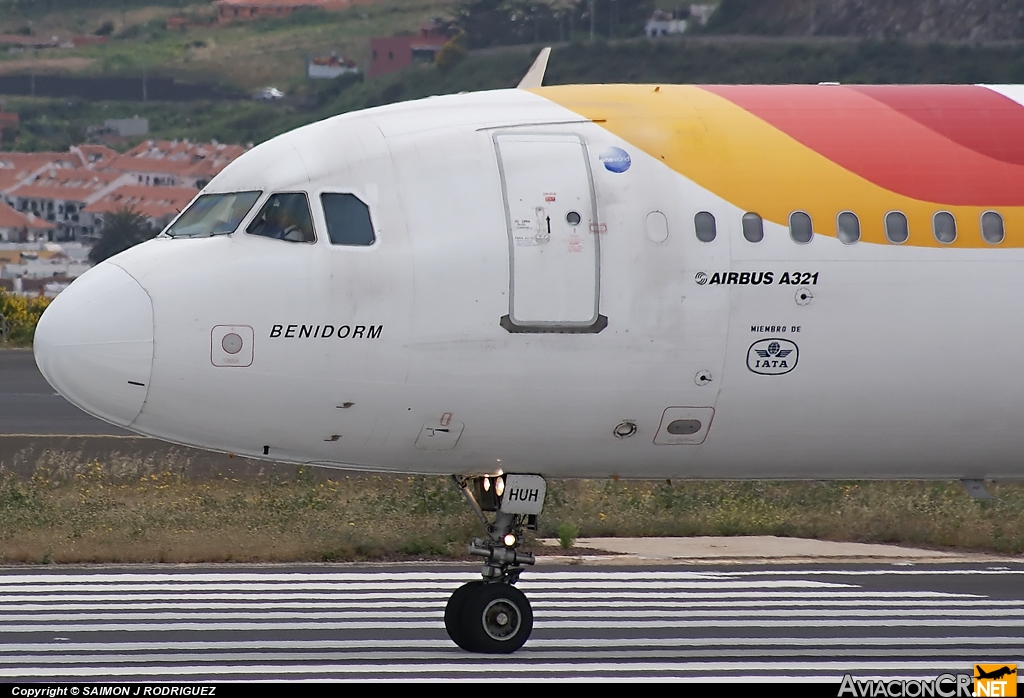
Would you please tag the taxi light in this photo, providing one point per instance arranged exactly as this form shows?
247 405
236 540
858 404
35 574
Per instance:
510 540
487 484
499 486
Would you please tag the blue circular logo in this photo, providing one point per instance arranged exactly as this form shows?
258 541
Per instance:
615 159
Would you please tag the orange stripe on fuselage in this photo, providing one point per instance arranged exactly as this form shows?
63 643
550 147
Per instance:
759 167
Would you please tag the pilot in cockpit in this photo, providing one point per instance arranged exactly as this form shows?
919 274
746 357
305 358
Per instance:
284 217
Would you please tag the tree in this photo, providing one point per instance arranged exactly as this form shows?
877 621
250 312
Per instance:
122 229
452 52
507 22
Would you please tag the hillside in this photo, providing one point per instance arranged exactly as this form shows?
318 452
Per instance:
912 20
55 124
788 41
241 54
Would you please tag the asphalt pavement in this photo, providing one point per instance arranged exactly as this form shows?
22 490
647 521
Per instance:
743 623
28 405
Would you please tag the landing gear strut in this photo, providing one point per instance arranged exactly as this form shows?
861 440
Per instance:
490 615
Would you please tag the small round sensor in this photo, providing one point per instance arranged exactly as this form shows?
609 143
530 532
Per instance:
231 343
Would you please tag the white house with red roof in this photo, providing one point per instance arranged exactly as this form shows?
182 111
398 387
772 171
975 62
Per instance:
58 195
175 163
73 190
158 204
94 156
16 168
19 227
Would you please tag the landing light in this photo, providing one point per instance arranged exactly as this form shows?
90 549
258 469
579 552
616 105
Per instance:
499 486
487 484
509 540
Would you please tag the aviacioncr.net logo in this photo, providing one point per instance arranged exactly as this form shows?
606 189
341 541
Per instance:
944 686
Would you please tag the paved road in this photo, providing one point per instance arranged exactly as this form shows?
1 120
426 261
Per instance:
385 622
28 405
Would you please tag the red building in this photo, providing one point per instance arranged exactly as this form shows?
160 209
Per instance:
391 53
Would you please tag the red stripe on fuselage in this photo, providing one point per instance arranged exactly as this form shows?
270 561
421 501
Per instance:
975 117
857 130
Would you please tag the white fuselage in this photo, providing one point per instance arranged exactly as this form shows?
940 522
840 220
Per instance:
904 362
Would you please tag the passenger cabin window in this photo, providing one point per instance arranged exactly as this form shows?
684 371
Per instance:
753 227
284 217
348 220
944 227
213 214
848 227
704 224
800 228
896 228
992 227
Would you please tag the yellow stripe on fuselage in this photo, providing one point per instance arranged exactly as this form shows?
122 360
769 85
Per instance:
756 167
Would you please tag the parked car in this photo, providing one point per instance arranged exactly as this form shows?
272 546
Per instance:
269 93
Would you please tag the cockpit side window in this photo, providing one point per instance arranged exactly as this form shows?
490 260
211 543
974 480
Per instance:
348 220
213 214
284 217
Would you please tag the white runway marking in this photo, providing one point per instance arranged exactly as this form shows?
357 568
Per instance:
388 624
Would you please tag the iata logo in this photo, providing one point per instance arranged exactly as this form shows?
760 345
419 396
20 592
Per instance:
772 357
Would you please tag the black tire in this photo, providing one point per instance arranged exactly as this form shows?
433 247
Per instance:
454 616
498 619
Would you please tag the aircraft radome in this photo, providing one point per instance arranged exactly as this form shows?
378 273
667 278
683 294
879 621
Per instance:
648 281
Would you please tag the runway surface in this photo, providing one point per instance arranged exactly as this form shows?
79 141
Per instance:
28 405
340 622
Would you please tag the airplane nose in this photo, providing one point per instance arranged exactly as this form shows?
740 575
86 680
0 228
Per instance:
94 344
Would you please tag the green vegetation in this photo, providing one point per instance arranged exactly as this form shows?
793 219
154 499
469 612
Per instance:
508 22
714 60
18 318
567 534
126 509
131 509
57 124
734 17
39 8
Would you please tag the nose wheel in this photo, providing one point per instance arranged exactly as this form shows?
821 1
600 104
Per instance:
488 617
491 616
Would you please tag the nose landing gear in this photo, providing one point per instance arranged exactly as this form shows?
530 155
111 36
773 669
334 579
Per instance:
492 616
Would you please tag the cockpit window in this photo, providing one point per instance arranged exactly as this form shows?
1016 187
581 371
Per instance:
284 217
348 220
213 214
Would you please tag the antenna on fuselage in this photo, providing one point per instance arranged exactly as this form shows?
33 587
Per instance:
535 75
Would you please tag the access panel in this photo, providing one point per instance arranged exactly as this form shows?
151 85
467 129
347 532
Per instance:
553 233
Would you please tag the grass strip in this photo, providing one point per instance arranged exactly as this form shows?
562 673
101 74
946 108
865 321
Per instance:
116 509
